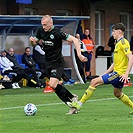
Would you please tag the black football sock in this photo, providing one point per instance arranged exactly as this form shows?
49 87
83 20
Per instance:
61 93
69 94
65 78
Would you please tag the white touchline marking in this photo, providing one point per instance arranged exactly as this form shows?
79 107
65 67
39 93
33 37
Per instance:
48 104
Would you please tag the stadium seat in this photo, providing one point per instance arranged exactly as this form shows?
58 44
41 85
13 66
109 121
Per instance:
20 59
17 56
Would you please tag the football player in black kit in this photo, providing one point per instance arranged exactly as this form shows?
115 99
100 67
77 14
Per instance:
52 42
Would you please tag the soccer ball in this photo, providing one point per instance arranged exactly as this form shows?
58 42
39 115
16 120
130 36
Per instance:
30 109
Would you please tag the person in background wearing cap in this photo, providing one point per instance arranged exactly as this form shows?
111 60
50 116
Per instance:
7 65
17 67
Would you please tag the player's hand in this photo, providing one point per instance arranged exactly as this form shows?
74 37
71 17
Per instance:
82 58
124 78
32 41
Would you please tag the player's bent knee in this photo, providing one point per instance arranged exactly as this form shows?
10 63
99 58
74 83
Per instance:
52 85
93 82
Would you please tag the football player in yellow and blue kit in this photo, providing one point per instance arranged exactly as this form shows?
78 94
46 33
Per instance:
118 72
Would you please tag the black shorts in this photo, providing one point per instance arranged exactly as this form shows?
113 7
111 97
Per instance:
55 69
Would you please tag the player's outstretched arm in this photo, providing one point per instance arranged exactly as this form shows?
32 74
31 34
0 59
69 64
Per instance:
77 46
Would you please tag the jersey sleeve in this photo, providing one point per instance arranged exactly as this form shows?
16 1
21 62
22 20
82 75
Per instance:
38 34
63 35
126 47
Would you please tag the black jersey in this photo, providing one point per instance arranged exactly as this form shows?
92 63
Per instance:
52 43
131 44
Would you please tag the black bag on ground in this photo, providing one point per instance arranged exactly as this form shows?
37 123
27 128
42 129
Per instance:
7 84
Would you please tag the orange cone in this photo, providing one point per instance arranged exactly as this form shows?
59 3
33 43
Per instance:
48 89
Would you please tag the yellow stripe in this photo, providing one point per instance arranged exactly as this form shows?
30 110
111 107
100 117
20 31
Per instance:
92 88
33 81
113 77
121 96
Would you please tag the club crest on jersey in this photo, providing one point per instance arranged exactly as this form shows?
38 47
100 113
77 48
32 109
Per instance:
52 36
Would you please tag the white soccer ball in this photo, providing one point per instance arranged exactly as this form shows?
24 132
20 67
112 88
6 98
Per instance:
30 109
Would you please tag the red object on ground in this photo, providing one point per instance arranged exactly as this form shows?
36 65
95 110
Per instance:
48 89
128 84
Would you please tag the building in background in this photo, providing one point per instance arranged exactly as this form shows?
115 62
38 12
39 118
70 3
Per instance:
103 14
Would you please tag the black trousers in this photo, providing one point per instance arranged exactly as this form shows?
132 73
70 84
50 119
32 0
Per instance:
31 71
21 73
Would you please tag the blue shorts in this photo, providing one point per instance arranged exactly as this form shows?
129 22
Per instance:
114 79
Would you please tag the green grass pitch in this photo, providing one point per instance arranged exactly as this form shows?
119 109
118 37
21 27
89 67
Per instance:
103 113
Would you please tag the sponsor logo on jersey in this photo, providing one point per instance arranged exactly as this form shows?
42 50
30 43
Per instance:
49 43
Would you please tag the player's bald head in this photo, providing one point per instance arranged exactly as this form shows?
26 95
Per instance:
47 23
48 18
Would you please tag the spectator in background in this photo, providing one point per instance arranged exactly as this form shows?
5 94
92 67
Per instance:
39 55
87 40
27 59
79 63
30 63
111 44
27 71
131 44
7 66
